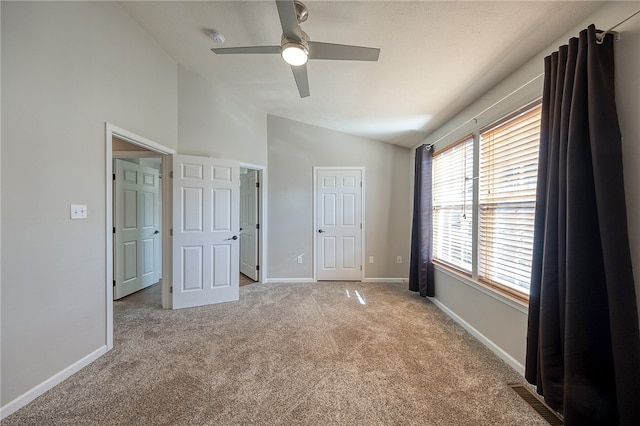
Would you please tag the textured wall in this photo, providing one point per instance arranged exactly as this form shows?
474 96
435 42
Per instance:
67 68
213 123
294 149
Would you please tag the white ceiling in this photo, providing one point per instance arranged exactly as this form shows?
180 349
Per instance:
436 57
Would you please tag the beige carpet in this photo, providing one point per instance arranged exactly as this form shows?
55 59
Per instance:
310 353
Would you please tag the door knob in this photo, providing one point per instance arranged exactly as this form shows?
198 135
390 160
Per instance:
157 232
320 231
235 237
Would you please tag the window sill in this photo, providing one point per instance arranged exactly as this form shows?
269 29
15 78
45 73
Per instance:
489 291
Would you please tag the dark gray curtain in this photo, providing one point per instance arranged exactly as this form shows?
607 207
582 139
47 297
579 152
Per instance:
583 345
421 266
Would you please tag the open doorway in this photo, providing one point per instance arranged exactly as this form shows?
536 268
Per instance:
137 219
250 226
147 149
169 158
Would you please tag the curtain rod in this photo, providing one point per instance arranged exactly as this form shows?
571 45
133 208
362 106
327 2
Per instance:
475 118
599 36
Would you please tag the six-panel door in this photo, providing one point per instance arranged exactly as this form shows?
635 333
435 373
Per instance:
136 228
206 196
339 224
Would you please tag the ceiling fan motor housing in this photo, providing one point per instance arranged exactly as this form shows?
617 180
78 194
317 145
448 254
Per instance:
302 13
304 41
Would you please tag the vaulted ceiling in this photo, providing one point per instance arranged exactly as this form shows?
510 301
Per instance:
436 57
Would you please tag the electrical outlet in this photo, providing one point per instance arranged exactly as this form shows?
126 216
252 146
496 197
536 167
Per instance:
370 259
300 259
78 211
399 259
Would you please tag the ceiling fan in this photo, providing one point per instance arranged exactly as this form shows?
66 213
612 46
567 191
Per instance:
296 48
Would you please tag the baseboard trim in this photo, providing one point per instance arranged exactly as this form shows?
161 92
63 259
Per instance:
52 381
481 337
311 280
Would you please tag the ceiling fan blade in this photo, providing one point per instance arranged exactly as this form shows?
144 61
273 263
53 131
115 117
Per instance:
248 49
342 52
302 80
288 19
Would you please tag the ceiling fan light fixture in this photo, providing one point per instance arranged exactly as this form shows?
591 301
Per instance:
294 53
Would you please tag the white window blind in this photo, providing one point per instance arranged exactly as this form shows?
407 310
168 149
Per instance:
507 191
452 205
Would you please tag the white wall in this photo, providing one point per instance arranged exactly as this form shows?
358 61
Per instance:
628 105
67 68
294 148
498 322
213 123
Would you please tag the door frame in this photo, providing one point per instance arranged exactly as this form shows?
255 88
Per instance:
317 169
163 152
262 218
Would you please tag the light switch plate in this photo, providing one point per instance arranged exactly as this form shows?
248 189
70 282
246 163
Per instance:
78 211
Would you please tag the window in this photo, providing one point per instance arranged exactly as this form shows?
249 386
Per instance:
506 203
452 205
496 248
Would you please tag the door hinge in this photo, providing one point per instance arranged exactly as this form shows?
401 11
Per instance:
171 174
257 267
171 232
361 267
171 290
114 283
114 176
114 229
257 184
257 226
360 184
360 226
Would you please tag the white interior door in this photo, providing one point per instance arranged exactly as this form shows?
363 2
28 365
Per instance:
206 198
338 207
249 224
137 228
